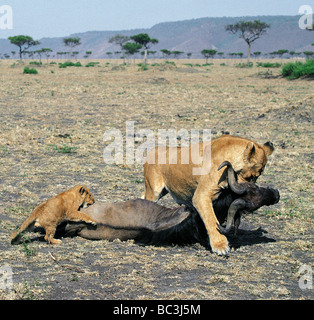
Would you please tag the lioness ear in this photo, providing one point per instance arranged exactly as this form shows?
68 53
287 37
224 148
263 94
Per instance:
268 148
82 190
249 152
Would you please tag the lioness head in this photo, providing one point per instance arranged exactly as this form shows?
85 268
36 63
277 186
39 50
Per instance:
255 158
87 197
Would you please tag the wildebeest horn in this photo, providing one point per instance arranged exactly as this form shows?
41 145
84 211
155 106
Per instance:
233 209
234 185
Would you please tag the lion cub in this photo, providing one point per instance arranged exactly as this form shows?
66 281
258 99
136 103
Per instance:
50 213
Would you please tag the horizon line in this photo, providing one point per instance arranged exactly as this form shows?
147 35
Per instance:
147 28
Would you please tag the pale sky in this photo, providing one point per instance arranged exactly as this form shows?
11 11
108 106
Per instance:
51 18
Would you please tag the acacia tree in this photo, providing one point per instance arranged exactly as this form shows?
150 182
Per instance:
281 52
177 53
87 54
119 40
72 43
109 54
249 31
257 54
165 53
23 42
131 48
46 52
38 52
208 53
144 40
309 54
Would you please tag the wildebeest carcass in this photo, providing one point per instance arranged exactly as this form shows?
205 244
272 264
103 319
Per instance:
125 220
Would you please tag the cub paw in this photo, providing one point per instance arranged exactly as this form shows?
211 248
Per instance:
55 241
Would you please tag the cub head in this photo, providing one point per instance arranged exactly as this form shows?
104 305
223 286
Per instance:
86 196
255 159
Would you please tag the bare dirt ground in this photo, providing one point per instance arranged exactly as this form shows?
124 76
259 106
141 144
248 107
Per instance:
51 138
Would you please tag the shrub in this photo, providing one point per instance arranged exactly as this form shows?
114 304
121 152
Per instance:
268 65
287 68
170 62
244 65
27 70
91 64
36 63
143 67
295 70
63 149
69 64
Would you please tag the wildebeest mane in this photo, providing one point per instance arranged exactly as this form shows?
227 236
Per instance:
189 231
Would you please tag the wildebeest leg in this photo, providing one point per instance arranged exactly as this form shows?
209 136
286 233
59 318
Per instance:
237 221
127 220
168 218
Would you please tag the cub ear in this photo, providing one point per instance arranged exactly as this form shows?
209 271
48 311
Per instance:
249 152
82 190
268 148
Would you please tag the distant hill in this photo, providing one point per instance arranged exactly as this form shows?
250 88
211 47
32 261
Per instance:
192 36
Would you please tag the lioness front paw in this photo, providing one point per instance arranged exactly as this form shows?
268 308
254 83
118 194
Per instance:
219 244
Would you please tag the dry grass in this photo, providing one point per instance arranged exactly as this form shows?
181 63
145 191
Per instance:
52 127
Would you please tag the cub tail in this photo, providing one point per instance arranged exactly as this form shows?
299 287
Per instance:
26 226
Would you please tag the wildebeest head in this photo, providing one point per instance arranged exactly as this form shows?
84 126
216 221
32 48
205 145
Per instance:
248 196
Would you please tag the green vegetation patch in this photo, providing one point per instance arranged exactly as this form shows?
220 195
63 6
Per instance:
28 70
69 64
268 64
295 70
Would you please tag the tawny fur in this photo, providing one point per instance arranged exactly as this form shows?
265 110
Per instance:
199 190
50 213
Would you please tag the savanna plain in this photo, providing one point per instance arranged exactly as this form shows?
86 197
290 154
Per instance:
52 138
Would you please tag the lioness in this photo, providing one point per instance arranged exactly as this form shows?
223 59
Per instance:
199 190
50 213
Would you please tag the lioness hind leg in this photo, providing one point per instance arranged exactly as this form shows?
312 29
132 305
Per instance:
80 216
156 194
154 183
154 190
